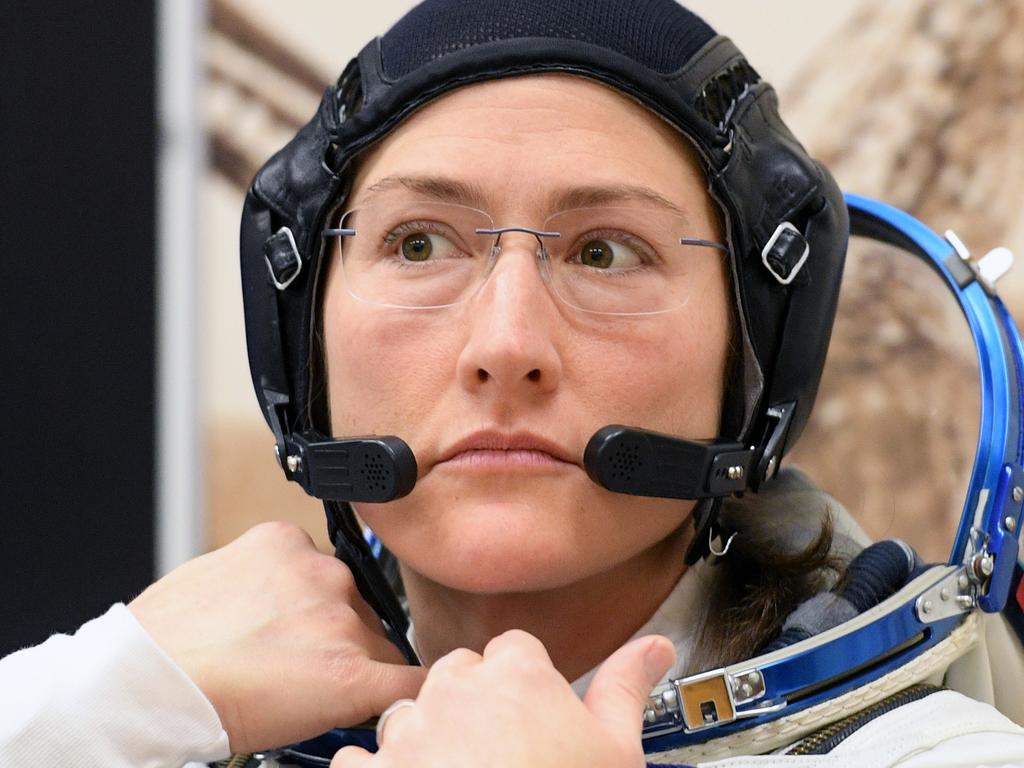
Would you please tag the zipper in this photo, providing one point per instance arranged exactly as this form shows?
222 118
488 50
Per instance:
828 738
238 760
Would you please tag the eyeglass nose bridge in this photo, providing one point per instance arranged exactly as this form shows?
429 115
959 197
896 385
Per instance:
499 231
540 234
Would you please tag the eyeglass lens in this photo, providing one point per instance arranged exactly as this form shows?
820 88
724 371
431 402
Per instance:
612 260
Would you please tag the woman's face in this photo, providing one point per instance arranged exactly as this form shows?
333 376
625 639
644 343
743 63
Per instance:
498 395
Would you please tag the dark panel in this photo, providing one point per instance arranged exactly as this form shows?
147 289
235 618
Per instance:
77 338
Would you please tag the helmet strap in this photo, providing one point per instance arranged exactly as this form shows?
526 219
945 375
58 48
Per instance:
351 548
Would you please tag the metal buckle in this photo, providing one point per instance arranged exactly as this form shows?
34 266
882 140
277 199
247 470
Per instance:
784 227
298 261
952 595
706 700
989 268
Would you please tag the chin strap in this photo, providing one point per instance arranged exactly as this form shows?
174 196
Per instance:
351 548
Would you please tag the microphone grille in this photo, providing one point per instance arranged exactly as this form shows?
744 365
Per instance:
625 460
375 470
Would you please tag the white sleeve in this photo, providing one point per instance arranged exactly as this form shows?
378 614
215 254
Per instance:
106 696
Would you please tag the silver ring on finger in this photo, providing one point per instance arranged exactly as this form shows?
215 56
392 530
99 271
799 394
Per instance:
383 719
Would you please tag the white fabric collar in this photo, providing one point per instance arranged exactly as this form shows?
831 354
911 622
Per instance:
678 618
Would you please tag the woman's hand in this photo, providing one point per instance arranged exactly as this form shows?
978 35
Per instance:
277 637
511 707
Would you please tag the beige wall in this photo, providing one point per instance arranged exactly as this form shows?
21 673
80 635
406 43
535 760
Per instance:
776 36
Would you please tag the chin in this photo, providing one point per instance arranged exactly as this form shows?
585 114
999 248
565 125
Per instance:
518 538
501 569
500 547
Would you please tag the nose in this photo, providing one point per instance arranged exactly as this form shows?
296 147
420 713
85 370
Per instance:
512 349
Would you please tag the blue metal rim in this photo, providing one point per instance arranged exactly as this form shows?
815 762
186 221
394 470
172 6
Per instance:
1000 423
999 454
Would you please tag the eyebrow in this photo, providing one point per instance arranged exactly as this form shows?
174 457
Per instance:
468 194
581 197
448 190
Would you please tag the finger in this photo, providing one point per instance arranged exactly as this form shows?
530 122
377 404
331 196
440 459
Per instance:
382 649
386 683
356 620
369 617
399 716
516 642
354 598
365 612
620 688
458 659
342 626
454 666
351 757
330 579
280 535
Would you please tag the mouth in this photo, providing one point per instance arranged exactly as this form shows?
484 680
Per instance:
494 450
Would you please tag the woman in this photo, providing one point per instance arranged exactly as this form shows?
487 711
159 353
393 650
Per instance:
538 222
544 244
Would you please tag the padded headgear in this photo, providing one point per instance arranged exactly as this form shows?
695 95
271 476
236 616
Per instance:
785 220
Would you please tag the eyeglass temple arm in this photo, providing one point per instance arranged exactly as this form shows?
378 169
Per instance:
705 243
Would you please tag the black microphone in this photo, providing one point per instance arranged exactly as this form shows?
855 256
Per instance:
639 462
369 469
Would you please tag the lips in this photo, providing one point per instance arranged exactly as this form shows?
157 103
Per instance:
514 447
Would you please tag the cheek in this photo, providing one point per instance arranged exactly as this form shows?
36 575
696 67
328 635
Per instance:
662 376
690 380
382 366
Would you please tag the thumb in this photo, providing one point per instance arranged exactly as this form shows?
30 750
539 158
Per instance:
620 688
385 683
351 757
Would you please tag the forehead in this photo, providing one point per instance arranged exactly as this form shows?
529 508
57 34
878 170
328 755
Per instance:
526 141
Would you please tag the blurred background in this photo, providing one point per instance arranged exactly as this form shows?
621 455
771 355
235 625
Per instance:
130 131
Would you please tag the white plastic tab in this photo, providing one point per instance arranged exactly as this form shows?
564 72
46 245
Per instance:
994 264
958 245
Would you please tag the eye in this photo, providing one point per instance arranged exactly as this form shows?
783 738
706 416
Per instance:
417 247
416 243
609 254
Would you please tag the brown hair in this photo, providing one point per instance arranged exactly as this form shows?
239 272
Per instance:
756 586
